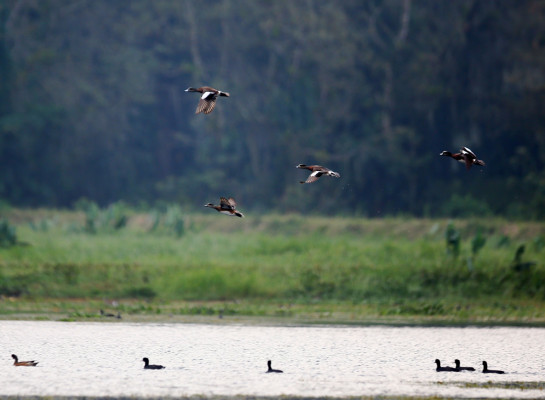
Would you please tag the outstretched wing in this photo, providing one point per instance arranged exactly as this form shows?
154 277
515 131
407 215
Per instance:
467 151
313 177
232 202
225 204
468 156
206 105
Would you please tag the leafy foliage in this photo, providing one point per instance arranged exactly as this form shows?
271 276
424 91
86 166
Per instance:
477 243
452 239
8 236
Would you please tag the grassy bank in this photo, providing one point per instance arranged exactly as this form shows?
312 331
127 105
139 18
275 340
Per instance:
285 266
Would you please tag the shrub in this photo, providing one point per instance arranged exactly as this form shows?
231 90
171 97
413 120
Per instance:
477 243
8 236
452 239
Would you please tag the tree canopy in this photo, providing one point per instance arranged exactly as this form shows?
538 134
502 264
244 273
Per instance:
92 104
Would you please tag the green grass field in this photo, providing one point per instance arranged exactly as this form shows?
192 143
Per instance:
306 268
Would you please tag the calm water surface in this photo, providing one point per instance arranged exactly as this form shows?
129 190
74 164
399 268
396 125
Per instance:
104 359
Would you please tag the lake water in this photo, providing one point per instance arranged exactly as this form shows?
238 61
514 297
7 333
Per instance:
104 359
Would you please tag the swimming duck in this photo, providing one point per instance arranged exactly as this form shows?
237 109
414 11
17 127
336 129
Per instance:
147 365
443 369
273 370
457 362
208 98
465 156
227 206
490 371
317 171
18 363
105 314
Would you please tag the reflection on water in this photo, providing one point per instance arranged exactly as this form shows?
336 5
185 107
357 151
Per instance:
105 359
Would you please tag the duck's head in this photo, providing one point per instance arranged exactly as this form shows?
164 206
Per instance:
209 205
190 89
14 357
269 363
445 153
457 362
485 364
146 360
437 361
300 166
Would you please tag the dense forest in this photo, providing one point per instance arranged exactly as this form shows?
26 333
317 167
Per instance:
92 104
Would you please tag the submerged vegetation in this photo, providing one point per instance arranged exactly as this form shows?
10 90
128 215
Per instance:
347 268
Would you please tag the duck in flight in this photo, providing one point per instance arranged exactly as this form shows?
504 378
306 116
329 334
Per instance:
227 206
271 369
208 98
316 172
490 371
457 362
465 156
18 363
444 369
147 365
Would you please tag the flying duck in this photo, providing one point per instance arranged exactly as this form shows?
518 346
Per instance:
227 206
490 371
317 171
457 362
147 365
18 363
465 156
271 369
444 369
208 98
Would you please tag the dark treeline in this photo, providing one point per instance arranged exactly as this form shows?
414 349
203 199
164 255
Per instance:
92 104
